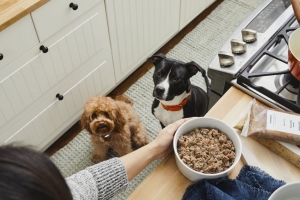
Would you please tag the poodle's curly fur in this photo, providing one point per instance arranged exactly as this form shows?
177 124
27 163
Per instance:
113 123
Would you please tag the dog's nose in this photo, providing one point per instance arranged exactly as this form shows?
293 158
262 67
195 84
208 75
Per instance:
159 90
102 125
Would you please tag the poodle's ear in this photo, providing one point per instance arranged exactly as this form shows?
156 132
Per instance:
119 120
157 58
85 122
85 117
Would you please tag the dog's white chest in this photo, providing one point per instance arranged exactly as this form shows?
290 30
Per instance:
167 117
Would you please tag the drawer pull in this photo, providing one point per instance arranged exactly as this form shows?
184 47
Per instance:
73 6
1 56
59 97
44 49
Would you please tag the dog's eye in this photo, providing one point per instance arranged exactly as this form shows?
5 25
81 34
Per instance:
106 114
158 74
94 116
176 78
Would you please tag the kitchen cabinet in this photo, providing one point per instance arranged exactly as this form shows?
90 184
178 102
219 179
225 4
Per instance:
53 59
32 86
137 29
62 107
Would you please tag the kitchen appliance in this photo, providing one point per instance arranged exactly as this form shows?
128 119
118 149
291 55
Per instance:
255 58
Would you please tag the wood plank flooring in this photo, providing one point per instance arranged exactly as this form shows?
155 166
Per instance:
120 89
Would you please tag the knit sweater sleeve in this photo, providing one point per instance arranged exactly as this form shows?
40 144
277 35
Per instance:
100 181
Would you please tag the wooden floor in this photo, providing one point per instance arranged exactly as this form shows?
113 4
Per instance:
74 130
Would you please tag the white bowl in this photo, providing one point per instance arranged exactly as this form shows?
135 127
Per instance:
206 122
290 191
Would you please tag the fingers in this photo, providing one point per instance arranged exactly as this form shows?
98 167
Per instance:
174 126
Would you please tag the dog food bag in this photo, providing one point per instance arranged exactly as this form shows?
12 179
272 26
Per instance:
266 122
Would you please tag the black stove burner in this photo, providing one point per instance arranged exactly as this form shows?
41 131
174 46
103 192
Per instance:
290 80
289 84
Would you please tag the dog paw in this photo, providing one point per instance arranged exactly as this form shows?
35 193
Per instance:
139 144
97 158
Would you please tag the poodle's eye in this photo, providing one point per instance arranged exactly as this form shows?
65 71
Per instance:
106 114
94 116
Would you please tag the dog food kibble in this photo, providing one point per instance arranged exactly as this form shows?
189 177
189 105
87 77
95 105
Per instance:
206 150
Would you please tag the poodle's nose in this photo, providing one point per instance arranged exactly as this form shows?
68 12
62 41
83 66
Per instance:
102 125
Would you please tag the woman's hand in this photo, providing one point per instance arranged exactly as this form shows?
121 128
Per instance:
163 142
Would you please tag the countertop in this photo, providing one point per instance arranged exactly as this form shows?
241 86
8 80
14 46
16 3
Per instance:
167 182
13 10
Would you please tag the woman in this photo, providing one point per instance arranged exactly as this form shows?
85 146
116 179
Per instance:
27 174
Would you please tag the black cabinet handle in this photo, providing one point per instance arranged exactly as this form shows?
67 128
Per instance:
44 49
73 6
1 56
59 97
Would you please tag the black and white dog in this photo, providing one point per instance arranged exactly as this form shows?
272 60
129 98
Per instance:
175 96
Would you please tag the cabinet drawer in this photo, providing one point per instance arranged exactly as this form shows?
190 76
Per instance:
54 115
21 84
16 40
56 14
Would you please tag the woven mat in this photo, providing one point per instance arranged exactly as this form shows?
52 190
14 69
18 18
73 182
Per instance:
200 45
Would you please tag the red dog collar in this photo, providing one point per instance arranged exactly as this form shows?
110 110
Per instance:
177 107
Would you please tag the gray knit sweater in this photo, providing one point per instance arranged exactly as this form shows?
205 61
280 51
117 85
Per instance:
100 181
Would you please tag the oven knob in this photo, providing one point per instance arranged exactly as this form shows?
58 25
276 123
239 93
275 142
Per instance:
238 46
225 59
249 35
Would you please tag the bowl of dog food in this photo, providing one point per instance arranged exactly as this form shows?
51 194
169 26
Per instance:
206 148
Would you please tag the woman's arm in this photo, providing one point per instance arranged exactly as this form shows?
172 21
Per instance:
105 179
138 160
99 181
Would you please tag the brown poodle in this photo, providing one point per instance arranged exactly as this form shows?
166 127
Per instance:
113 123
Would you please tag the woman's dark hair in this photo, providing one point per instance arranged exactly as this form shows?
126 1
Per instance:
28 174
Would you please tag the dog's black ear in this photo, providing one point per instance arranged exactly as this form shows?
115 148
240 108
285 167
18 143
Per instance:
157 58
193 68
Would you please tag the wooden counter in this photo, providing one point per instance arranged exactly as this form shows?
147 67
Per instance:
13 10
167 182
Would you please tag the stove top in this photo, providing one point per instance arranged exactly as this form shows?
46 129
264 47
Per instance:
264 22
268 73
254 58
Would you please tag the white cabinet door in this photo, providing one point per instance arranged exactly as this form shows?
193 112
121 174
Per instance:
137 29
42 125
16 40
20 86
190 9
